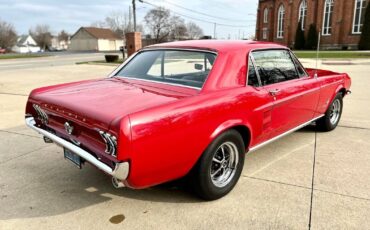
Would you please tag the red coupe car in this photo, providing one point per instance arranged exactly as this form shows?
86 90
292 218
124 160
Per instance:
187 108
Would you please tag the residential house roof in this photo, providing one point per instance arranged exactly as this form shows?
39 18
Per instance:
99 33
25 40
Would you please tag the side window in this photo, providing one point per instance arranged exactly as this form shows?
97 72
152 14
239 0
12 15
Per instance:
192 66
252 76
274 66
300 70
156 69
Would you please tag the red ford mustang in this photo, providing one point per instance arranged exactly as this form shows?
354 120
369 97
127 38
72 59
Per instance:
186 108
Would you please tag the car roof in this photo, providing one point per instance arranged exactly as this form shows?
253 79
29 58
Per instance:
218 45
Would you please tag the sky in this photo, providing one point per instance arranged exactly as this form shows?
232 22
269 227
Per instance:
233 18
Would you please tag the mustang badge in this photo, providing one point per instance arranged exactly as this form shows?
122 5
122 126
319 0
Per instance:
69 128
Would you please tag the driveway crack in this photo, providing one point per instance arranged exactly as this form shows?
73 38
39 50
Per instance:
22 134
25 154
313 180
14 94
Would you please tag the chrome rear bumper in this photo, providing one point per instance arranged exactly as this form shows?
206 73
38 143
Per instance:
120 171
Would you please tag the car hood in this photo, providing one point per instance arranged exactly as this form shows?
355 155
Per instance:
110 99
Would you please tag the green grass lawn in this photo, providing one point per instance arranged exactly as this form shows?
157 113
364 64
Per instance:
120 61
332 54
15 56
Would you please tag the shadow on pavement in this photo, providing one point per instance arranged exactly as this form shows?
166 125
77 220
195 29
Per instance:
41 183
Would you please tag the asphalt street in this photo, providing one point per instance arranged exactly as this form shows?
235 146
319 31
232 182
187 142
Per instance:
278 188
56 59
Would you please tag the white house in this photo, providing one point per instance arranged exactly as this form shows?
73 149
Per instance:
26 44
95 39
57 44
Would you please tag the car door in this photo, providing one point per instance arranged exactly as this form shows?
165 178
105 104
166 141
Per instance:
294 93
259 108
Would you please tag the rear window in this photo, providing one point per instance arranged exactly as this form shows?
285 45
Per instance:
180 67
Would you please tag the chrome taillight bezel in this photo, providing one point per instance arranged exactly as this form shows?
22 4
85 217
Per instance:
41 114
110 143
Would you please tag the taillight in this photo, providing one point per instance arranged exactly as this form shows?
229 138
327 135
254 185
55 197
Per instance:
41 114
110 143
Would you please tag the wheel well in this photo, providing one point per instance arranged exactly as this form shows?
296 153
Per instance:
245 133
343 91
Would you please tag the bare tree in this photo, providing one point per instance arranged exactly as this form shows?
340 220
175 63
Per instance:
99 24
118 22
193 30
178 28
63 36
8 35
158 22
42 35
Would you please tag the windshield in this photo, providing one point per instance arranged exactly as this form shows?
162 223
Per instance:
181 67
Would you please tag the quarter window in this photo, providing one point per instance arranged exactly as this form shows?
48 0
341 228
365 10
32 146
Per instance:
252 76
280 22
302 13
274 66
359 16
328 11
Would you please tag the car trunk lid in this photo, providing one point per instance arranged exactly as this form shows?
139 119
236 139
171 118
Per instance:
105 100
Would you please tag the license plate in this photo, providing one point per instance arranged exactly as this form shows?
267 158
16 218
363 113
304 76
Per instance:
73 157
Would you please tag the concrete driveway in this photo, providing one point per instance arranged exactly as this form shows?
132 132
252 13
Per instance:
41 190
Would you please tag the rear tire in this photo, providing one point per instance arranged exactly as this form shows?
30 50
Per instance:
219 168
332 115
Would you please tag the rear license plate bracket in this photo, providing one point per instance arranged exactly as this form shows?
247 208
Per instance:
73 157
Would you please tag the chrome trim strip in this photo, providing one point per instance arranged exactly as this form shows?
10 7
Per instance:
254 148
120 171
178 48
164 83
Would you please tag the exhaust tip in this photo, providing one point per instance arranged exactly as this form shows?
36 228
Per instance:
117 183
47 140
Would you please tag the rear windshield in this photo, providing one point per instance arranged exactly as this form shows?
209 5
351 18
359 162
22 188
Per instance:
180 67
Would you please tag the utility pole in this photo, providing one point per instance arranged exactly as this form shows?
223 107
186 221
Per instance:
214 31
134 12
129 19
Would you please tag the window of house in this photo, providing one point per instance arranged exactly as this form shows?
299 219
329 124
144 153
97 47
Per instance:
252 76
359 16
265 15
328 11
264 33
302 13
274 66
280 22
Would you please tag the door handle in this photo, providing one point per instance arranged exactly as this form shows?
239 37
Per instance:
274 92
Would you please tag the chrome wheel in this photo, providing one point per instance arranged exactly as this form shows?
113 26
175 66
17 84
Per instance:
335 111
224 163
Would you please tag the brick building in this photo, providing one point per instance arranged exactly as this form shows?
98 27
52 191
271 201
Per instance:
340 21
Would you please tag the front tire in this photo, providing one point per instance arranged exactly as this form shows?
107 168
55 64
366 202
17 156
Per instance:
332 115
220 166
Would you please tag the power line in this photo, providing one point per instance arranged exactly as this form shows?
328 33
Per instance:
208 15
197 19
